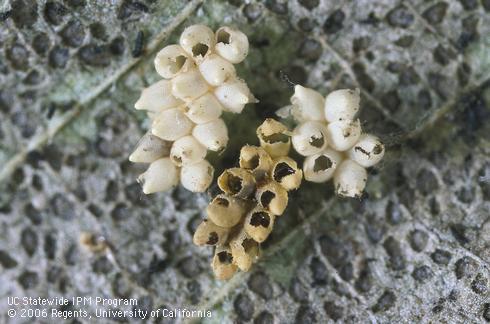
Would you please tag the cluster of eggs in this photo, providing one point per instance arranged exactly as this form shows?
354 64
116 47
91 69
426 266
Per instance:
253 196
200 83
329 135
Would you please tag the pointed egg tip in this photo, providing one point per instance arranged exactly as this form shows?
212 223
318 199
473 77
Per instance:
284 112
154 131
242 98
148 188
143 183
298 88
138 105
252 99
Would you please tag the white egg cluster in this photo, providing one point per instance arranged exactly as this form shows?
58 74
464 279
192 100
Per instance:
330 137
200 82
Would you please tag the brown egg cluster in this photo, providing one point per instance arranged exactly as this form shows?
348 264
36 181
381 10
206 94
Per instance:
253 196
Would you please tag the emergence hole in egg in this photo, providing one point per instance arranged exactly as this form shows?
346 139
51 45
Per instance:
222 202
266 198
213 238
360 149
253 163
282 170
378 149
178 64
177 159
276 138
248 244
260 219
317 141
234 184
200 49
225 257
322 163
223 37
